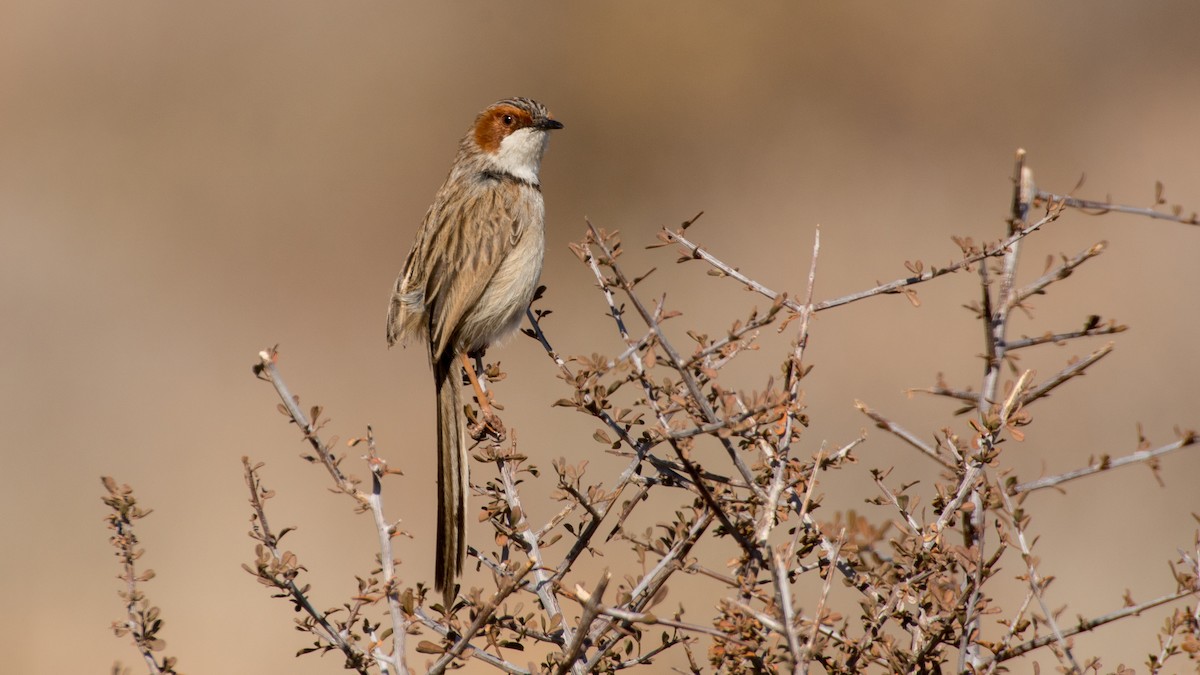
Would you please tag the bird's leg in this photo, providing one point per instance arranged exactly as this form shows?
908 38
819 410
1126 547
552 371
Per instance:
480 371
489 423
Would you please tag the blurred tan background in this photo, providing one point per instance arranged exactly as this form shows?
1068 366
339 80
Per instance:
184 184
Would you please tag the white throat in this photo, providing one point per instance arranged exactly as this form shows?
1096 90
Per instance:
520 153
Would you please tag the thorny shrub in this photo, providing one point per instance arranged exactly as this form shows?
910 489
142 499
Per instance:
906 590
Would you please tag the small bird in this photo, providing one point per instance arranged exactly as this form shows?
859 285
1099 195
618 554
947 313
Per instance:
468 280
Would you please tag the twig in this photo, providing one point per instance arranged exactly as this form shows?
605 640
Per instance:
1013 625
996 324
965 487
787 613
819 464
697 396
648 387
807 310
993 251
772 624
266 369
969 397
1059 338
646 656
282 575
543 581
651 619
794 369
482 615
1074 370
567 375
647 588
651 582
475 652
727 422
591 609
861 648
1085 625
141 621
1105 207
913 526
1036 585
1060 272
387 558
810 646
735 336
994 314
903 434
1105 464
640 454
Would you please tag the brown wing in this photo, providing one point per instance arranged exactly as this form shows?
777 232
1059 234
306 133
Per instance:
406 310
466 234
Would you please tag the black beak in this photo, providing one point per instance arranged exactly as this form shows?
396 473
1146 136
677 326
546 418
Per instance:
549 124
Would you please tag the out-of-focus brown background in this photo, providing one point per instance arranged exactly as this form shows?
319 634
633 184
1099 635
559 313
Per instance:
184 184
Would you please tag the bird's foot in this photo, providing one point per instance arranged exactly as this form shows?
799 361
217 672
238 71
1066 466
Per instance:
485 424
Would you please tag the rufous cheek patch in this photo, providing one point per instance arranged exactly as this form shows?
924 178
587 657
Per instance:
490 128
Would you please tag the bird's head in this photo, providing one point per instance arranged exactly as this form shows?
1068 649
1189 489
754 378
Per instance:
512 135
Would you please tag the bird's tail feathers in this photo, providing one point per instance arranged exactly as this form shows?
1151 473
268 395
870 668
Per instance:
453 482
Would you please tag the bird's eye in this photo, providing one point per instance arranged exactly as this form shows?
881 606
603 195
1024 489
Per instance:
508 120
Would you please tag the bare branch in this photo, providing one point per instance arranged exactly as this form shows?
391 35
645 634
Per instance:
1100 208
787 613
1110 328
591 609
904 435
387 558
266 369
1058 273
1105 463
991 251
1074 370
1037 585
1085 625
810 646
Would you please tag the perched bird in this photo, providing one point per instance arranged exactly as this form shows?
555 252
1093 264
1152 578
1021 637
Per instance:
468 280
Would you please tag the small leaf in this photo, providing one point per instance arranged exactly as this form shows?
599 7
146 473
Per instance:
427 647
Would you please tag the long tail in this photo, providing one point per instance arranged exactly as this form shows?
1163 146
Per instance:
453 482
